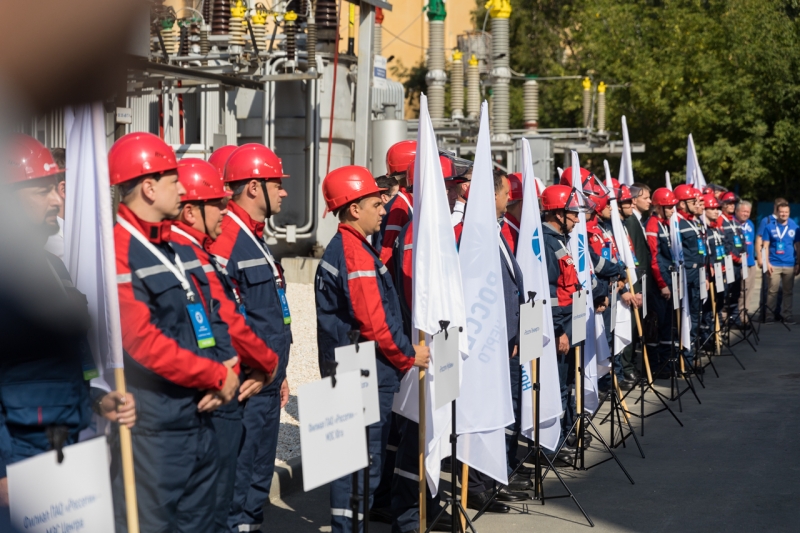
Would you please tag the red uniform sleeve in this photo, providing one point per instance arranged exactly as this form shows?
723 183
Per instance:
149 346
252 350
397 218
652 241
368 309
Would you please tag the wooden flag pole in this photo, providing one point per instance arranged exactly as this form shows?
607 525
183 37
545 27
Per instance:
423 516
645 358
578 395
716 317
680 339
126 450
464 492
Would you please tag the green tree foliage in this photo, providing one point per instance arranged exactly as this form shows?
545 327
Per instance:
726 71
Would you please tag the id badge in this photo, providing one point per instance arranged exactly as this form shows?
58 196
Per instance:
635 259
780 249
720 252
243 311
701 247
737 241
202 327
606 252
287 316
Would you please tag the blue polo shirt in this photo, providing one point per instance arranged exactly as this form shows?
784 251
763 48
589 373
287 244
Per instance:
781 240
749 231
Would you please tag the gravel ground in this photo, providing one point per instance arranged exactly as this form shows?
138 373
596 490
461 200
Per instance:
303 365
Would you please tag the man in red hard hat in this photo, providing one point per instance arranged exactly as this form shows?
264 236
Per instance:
179 361
510 227
690 208
254 173
45 395
203 208
717 247
661 264
735 242
220 156
400 209
354 292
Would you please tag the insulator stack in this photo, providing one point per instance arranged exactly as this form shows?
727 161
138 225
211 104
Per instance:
220 17
325 17
194 38
457 86
205 46
531 105
587 102
473 89
260 33
377 39
500 11
290 30
237 31
207 10
436 78
311 40
601 107
183 33
171 38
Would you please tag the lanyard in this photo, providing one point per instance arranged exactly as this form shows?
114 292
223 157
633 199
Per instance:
177 269
267 254
179 231
505 252
691 225
511 224
405 199
781 235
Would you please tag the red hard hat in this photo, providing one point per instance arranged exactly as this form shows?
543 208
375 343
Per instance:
687 192
253 161
728 198
515 190
347 184
711 201
138 154
600 202
555 197
28 159
448 170
707 190
201 180
566 176
664 197
220 156
624 194
400 156
615 183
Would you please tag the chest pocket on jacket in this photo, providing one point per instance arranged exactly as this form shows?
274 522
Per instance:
44 403
157 279
256 271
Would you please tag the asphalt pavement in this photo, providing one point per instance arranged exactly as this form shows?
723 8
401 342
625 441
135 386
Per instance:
732 467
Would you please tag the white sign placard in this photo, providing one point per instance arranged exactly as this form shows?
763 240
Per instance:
730 275
644 295
676 298
75 495
579 316
124 115
332 439
531 331
446 357
351 361
745 268
718 279
703 289
614 294
764 259
379 72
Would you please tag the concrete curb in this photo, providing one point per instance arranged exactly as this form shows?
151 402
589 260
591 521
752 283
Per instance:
287 478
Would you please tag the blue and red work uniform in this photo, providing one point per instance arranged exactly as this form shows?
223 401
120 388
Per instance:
44 376
510 230
735 243
717 247
242 252
397 216
694 258
252 352
354 291
168 373
661 263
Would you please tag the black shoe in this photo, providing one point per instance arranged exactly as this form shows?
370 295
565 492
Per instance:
632 376
573 439
477 501
447 466
505 495
627 384
524 471
519 482
381 514
445 522
790 322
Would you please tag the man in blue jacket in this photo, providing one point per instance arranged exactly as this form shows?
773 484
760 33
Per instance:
780 238
354 292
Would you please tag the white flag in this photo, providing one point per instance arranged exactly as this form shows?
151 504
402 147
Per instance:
89 234
593 352
485 409
530 256
437 292
694 176
676 247
626 164
669 182
623 332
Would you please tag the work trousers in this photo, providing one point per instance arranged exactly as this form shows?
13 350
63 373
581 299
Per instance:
383 494
256 461
228 427
750 286
693 301
342 488
513 430
666 319
782 278
405 480
176 478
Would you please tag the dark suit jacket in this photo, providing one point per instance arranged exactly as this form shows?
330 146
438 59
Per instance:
640 248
